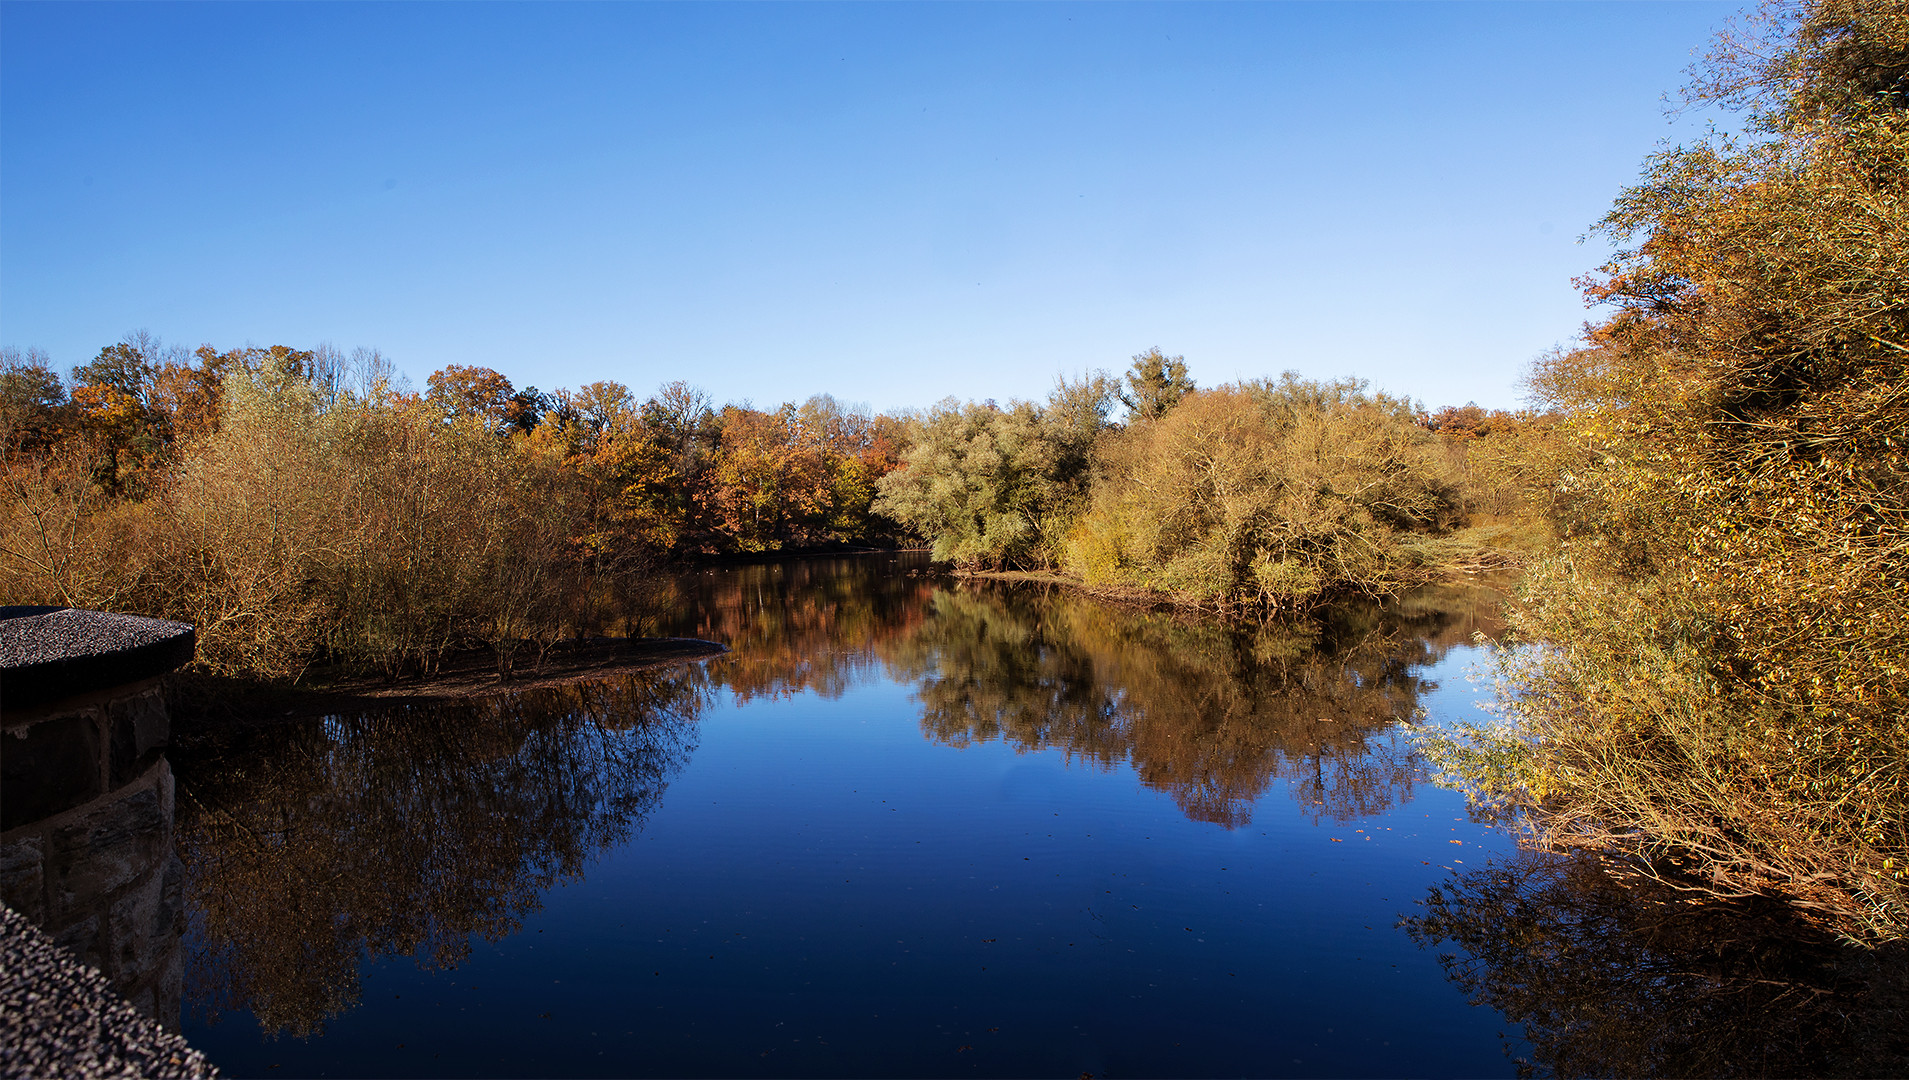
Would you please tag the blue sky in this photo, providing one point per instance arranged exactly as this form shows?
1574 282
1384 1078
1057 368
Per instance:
887 202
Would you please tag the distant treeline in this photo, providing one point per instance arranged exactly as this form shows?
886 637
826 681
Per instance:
303 505
298 506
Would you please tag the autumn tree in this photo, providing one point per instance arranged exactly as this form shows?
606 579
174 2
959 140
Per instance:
527 408
187 396
125 367
686 428
859 449
1267 495
644 464
51 550
462 391
1726 701
647 494
597 405
769 484
34 413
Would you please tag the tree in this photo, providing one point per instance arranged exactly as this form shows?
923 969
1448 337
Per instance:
769 484
1267 494
680 408
647 496
1727 701
1155 384
1000 487
189 397
126 366
478 393
527 408
114 409
34 412
597 405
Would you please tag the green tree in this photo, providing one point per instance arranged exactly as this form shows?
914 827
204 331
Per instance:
1155 384
995 487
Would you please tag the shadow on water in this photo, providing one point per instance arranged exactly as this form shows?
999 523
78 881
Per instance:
1611 977
313 848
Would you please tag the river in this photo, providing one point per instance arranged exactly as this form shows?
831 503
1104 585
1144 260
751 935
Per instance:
908 826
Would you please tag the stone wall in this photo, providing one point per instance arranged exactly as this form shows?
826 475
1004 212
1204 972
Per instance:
86 849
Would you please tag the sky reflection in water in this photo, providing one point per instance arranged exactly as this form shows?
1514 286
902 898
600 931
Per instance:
908 827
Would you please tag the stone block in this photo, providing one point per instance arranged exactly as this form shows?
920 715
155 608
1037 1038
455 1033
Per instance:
111 847
81 939
169 991
48 767
140 729
136 931
170 917
23 877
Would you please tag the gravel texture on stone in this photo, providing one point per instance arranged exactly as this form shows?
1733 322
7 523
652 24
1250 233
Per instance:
70 633
59 1018
47 654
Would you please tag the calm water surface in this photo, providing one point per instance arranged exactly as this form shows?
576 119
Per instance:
907 827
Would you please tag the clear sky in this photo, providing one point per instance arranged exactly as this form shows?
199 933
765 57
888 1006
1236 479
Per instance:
887 202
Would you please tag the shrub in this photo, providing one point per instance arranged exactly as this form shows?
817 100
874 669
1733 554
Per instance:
999 488
1725 694
1267 495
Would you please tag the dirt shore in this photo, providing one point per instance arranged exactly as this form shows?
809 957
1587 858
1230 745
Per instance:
211 701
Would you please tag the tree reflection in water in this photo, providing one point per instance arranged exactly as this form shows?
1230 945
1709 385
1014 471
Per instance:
1210 713
313 847
802 626
1626 978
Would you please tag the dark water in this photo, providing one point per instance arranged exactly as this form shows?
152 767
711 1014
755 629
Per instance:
908 827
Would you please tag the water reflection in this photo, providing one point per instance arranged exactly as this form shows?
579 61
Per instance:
312 848
1621 978
803 626
1211 714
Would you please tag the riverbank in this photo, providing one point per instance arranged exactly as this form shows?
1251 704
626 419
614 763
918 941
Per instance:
1464 554
211 701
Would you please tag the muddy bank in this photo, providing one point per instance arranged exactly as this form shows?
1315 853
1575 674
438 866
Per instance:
1496 571
202 702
